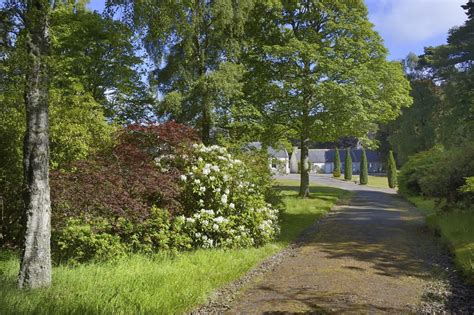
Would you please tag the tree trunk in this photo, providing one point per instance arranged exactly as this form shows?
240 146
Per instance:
304 178
206 123
305 165
35 267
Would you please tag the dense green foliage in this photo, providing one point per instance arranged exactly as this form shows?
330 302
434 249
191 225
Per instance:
415 130
337 164
101 238
440 174
348 165
391 170
364 169
170 283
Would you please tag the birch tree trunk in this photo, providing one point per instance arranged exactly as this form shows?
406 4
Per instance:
35 267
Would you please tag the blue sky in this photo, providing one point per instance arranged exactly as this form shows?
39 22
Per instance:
405 25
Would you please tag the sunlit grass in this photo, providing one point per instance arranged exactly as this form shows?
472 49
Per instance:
374 181
162 284
457 230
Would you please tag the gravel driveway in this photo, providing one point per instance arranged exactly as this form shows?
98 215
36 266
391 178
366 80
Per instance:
373 255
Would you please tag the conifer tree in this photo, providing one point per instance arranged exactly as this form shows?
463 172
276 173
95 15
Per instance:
391 171
348 165
337 165
364 171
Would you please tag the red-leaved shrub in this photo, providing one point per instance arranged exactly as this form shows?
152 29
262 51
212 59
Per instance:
126 180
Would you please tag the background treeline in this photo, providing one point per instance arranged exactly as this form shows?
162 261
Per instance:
434 139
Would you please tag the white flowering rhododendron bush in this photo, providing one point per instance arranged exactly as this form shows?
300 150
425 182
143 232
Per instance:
222 206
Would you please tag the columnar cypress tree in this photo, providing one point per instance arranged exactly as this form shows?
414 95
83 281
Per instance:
364 170
348 165
391 171
337 164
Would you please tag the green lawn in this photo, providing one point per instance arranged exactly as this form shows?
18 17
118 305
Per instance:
374 181
456 229
161 284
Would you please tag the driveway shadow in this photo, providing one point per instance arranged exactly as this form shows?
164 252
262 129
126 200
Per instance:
374 229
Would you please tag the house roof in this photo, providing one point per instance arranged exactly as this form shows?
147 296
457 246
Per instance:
281 153
327 155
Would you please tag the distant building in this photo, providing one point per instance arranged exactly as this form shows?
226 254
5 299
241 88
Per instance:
322 160
279 161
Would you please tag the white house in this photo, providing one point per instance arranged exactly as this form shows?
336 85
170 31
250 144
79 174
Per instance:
279 161
322 160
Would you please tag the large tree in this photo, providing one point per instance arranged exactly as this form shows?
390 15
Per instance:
35 268
451 67
98 55
326 68
195 45
415 130
442 81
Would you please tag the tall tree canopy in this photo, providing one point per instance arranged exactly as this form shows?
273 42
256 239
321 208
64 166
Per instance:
326 73
415 130
451 66
443 109
195 46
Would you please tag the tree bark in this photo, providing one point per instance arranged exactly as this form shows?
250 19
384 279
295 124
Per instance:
35 267
206 122
305 165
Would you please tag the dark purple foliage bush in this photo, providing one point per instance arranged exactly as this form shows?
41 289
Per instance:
124 181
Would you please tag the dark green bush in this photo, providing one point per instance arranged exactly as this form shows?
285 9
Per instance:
81 241
391 171
337 164
348 165
100 239
364 170
418 167
440 174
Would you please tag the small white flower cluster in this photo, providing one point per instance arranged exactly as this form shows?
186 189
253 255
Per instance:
225 207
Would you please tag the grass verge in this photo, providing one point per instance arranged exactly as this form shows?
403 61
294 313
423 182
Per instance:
456 229
374 181
161 284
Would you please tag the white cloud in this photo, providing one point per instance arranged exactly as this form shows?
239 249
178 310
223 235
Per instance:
415 20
